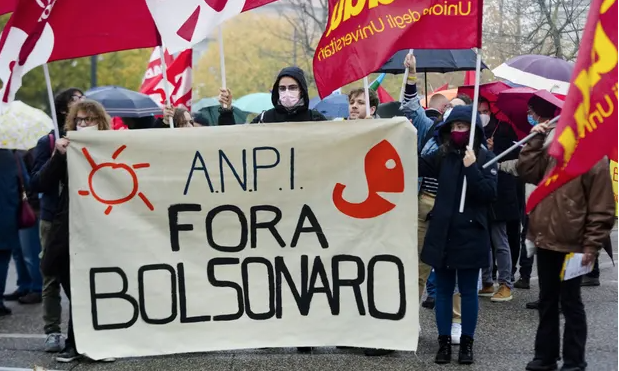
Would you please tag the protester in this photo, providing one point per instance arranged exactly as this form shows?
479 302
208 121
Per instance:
9 207
457 244
505 209
84 115
290 100
26 258
426 123
356 104
49 198
577 217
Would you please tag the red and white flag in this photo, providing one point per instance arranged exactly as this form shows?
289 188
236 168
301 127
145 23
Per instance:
153 71
42 31
179 76
7 6
184 23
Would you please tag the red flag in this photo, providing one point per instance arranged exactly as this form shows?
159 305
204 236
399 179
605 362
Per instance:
179 75
469 78
7 6
153 70
347 50
587 129
48 30
184 23
383 95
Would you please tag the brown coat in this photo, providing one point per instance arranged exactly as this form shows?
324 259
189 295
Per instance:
577 217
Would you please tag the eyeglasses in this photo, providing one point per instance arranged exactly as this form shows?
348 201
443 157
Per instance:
86 120
283 88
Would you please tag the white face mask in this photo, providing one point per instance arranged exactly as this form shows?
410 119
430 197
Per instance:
289 98
85 128
485 119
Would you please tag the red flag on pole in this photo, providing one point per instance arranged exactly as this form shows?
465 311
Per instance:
179 75
587 129
347 50
7 6
39 32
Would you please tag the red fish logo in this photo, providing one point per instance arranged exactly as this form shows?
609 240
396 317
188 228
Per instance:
383 173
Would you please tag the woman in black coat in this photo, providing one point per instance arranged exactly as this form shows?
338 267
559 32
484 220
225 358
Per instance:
83 115
458 244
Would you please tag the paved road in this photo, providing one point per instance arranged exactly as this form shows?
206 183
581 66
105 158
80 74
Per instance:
503 341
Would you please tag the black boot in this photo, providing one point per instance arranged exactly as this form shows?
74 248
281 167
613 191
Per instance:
443 355
465 357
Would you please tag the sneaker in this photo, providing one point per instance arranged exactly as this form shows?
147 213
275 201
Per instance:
523 284
429 303
503 294
68 355
52 343
31 298
456 333
4 311
590 281
487 291
15 295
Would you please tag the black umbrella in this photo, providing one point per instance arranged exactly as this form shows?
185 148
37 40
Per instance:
123 102
434 60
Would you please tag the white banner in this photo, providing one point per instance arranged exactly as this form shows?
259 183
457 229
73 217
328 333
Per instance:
244 236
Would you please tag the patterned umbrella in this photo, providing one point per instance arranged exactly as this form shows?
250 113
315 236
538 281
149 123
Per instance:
21 126
538 72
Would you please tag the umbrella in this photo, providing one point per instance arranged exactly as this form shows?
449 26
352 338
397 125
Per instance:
335 105
313 102
123 102
538 72
255 102
205 102
389 110
490 91
211 115
514 103
21 126
434 60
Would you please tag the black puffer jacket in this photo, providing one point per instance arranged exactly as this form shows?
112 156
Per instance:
280 113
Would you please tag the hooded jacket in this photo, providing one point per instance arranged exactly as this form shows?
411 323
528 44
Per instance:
457 240
50 193
280 113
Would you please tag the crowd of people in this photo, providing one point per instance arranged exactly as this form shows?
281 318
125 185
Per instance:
463 255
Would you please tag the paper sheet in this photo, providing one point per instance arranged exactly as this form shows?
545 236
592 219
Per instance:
572 267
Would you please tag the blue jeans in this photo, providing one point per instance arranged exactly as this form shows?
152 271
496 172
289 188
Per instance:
467 285
431 285
27 262
502 255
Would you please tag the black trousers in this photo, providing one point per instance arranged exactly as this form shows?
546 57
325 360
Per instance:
553 291
65 282
513 238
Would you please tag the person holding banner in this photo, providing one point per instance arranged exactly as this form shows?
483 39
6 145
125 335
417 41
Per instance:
457 244
83 115
356 104
576 218
52 308
426 123
290 100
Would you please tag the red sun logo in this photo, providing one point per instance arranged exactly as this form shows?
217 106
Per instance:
115 165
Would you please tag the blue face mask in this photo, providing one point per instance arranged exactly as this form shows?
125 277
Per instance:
531 120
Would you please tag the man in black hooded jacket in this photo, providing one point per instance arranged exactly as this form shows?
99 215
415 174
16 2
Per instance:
290 101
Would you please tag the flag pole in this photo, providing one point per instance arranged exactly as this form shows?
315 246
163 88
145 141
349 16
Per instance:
366 88
551 123
405 79
473 121
222 59
166 83
50 95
